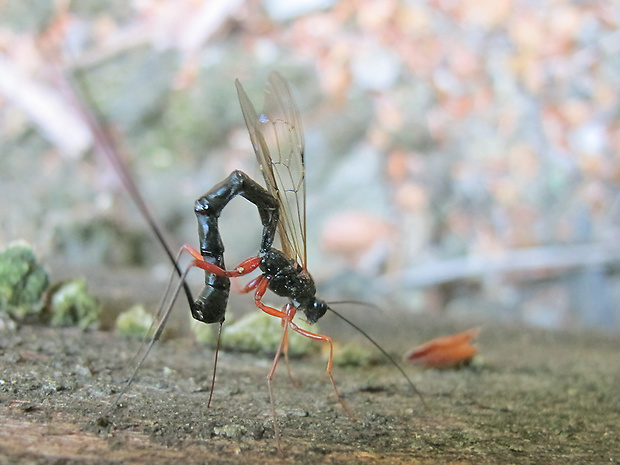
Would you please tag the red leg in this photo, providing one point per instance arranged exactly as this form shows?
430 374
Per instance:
287 316
288 313
290 310
191 250
208 267
320 337
261 285
251 285
243 268
199 261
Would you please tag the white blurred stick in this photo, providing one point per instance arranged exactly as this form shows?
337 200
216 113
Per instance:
57 121
556 257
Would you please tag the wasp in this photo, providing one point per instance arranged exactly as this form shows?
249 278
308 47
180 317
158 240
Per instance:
278 142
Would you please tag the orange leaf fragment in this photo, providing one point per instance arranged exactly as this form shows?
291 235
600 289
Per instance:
446 351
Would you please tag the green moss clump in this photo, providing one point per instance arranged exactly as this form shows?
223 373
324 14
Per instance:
259 332
354 355
72 305
22 283
204 333
134 322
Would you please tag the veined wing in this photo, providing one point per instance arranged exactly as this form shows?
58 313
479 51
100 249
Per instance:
278 140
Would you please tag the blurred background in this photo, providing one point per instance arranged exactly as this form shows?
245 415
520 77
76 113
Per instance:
461 157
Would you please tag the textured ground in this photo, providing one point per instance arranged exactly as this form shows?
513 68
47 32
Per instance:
538 397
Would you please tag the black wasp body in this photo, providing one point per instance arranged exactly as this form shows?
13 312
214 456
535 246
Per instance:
288 279
285 276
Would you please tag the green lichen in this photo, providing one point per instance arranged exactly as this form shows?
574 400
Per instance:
72 305
22 283
205 334
134 322
354 355
259 333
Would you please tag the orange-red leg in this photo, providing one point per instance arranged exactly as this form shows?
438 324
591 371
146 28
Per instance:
251 285
286 315
199 262
191 250
321 337
288 309
243 268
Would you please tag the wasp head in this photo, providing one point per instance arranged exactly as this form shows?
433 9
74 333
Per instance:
315 309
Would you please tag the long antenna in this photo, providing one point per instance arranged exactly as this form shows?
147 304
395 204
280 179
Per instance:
375 343
76 91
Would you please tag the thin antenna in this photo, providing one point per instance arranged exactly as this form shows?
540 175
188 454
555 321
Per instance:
77 92
373 342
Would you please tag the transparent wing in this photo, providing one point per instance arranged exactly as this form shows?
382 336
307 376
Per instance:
278 140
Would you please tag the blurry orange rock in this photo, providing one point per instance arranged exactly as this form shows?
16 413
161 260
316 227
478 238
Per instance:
411 196
353 233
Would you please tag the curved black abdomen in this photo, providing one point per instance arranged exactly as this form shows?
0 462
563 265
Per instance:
210 307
